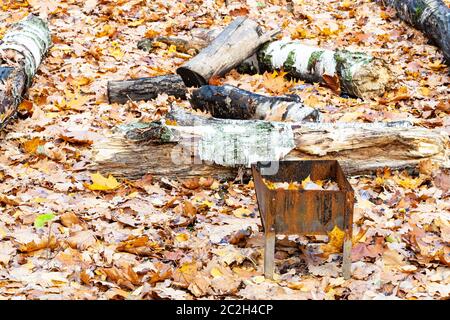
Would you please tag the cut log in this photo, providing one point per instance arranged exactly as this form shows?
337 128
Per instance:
233 45
229 102
21 52
200 146
354 73
146 88
432 17
190 46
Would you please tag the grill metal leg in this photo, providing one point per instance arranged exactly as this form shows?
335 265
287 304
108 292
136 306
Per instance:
269 254
347 258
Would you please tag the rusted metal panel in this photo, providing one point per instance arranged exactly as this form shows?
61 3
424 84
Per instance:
305 211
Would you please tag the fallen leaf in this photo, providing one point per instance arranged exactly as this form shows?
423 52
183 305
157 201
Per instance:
69 219
242 212
34 146
81 240
42 219
101 183
335 241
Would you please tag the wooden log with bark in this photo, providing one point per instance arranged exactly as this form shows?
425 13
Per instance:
201 146
229 102
21 51
432 17
238 41
146 88
354 73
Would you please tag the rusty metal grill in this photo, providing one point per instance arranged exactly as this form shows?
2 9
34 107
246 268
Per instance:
303 212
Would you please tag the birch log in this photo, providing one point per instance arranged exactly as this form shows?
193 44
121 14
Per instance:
356 73
229 102
432 17
146 88
200 146
21 52
238 41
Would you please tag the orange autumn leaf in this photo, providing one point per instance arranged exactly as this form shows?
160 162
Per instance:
107 31
150 33
32 146
332 82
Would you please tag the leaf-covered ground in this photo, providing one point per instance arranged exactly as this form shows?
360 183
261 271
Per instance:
116 239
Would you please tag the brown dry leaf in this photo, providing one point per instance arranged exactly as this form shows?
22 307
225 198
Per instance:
69 219
362 250
124 277
140 246
185 274
442 180
78 137
8 200
332 82
215 81
393 258
189 210
444 106
242 11
43 244
163 272
85 278
397 95
427 167
200 285
7 252
81 240
25 107
206 182
240 237
191 184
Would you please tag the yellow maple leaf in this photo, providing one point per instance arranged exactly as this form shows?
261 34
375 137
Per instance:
171 122
108 30
319 182
242 212
408 182
82 81
335 241
115 51
216 273
270 185
292 186
73 101
172 48
136 23
101 183
181 237
305 181
188 268
424 91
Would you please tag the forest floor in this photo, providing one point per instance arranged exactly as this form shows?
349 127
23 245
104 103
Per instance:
203 238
